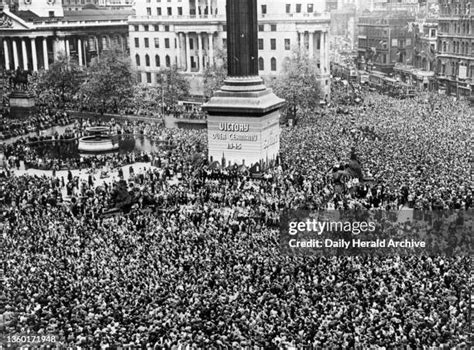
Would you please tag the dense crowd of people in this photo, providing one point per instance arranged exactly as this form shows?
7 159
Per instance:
35 153
185 254
43 119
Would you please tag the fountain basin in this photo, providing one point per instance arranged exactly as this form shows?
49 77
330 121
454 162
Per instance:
98 143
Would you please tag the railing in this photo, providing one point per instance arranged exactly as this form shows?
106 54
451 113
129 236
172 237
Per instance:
75 23
182 18
222 17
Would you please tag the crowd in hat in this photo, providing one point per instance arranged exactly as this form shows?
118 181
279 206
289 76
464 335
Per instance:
185 254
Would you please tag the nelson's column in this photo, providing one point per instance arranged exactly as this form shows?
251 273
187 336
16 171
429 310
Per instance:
243 116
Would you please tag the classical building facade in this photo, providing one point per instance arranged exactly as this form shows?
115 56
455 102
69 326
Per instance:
191 34
455 58
33 35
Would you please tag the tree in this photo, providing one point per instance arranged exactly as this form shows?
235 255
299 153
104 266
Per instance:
172 86
57 85
109 81
298 84
215 74
146 98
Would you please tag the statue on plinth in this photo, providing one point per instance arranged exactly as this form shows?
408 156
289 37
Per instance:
19 80
21 101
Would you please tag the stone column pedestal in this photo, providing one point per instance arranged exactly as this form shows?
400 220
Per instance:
243 123
22 104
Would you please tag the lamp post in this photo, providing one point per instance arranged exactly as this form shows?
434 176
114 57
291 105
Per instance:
162 98
162 76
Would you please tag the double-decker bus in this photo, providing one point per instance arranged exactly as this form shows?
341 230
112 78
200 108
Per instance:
377 80
344 71
363 77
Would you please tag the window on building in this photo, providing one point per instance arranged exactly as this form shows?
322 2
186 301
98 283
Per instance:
147 60
147 42
157 43
175 44
260 44
287 44
310 8
145 27
137 42
273 27
261 63
298 8
51 14
167 43
136 28
167 28
273 64
148 77
158 11
156 28
137 59
273 44
169 11
261 28
288 8
191 44
157 60
139 77
180 11
148 11
168 61
318 43
264 9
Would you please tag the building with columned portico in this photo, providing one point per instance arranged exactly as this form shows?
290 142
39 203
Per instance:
190 33
36 32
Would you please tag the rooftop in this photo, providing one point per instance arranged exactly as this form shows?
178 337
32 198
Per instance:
95 15
28 16
77 16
